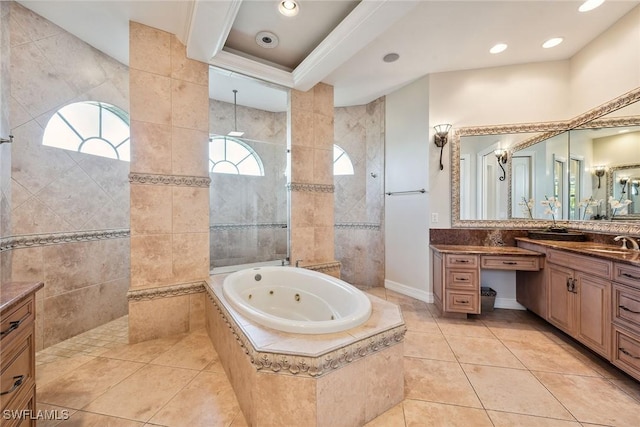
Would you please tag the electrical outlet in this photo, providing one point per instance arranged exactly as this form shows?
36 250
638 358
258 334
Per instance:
434 217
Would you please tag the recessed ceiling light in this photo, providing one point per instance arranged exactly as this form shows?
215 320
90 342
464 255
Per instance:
289 7
552 42
390 57
589 5
267 39
500 47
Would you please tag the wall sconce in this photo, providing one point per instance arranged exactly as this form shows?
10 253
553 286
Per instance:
623 182
441 138
635 186
502 156
599 171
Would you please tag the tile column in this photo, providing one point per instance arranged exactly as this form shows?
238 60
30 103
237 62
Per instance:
310 143
169 178
5 130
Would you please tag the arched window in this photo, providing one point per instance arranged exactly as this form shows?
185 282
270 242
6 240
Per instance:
341 162
231 155
90 127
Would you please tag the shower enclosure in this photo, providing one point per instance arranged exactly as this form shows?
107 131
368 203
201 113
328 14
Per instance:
248 194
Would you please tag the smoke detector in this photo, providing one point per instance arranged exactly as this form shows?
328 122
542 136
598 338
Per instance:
267 39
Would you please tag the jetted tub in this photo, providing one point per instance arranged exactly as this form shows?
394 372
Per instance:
296 300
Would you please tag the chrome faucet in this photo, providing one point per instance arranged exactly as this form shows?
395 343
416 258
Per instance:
625 239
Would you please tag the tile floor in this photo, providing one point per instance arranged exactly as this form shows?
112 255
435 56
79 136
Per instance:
506 368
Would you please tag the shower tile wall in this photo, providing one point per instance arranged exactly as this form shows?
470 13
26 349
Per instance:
359 198
58 191
248 213
5 149
169 217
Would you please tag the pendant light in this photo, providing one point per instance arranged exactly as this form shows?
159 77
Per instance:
235 131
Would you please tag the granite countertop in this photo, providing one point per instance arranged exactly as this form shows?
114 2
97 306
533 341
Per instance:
599 250
484 250
12 292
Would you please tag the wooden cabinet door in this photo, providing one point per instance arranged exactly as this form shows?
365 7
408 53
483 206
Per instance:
561 301
593 299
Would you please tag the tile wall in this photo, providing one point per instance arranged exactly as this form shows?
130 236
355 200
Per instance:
310 138
169 179
64 201
248 214
5 149
359 198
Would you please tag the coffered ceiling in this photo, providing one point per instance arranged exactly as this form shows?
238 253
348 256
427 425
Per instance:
342 42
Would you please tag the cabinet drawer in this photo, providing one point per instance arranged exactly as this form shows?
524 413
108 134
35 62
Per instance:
22 410
626 351
455 260
586 264
17 368
16 320
462 302
496 262
626 305
628 274
462 279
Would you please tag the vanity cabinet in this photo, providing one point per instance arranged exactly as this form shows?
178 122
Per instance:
626 319
17 353
579 298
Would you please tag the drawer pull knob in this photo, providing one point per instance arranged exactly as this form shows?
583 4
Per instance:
462 261
622 350
630 276
12 327
628 309
17 382
462 279
510 262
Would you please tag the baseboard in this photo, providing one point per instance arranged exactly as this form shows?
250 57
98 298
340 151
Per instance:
508 303
409 291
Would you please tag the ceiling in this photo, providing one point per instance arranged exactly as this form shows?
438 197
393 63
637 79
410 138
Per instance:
339 42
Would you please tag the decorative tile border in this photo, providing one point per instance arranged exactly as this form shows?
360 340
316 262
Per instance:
357 226
36 240
165 291
311 188
175 180
293 364
327 267
247 226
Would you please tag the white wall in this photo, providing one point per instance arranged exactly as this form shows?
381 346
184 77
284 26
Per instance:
407 168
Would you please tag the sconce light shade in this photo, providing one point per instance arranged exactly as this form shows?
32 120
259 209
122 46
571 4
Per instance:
599 172
502 156
441 138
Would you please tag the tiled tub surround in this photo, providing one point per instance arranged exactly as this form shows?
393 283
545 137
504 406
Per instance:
345 378
5 131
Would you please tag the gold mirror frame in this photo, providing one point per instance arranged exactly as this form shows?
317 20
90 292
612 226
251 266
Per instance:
591 118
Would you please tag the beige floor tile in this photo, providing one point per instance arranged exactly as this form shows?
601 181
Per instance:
465 328
438 381
206 401
513 390
393 417
427 346
378 291
418 413
144 351
594 361
50 371
628 385
142 394
195 351
548 358
55 414
483 351
86 383
88 419
420 321
508 419
592 400
519 332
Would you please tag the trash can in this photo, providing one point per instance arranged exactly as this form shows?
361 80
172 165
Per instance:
488 299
